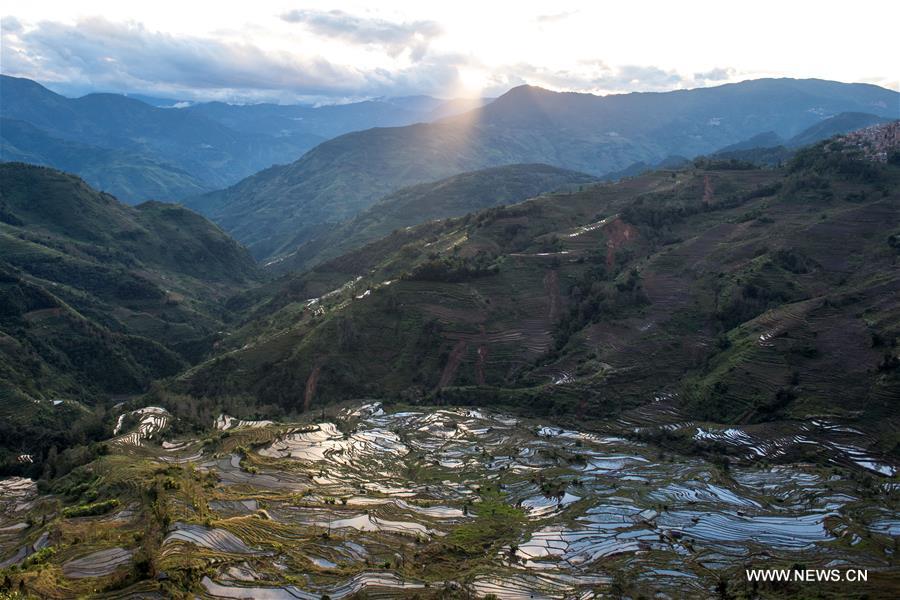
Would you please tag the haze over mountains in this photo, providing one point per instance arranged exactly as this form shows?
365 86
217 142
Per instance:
138 151
276 209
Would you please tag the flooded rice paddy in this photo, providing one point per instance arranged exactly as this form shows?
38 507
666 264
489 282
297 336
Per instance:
382 486
492 504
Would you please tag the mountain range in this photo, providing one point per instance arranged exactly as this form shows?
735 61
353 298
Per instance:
140 151
275 210
468 275
767 148
129 174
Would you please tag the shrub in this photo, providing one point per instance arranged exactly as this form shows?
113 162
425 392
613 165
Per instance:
453 269
88 510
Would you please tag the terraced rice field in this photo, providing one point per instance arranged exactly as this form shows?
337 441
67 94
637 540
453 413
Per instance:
396 503
589 505
97 564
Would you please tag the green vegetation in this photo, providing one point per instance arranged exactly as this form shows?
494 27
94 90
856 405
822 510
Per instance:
673 280
453 268
97 298
451 197
89 510
496 524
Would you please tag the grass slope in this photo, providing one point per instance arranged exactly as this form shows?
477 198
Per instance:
751 294
450 197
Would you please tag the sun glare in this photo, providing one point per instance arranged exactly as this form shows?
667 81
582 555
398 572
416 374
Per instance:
471 82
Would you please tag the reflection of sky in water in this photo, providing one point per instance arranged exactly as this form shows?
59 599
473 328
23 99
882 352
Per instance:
415 475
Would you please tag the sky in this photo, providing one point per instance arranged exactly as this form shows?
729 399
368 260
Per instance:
319 51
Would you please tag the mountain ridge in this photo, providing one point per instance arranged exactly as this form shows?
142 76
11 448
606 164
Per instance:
593 134
144 143
450 197
126 175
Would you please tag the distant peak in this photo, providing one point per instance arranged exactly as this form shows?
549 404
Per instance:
526 89
523 96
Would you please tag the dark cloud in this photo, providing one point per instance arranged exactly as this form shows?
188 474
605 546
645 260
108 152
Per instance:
394 37
99 54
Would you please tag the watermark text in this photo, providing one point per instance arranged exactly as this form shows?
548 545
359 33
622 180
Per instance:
808 575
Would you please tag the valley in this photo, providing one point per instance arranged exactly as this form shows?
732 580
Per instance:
97 300
544 345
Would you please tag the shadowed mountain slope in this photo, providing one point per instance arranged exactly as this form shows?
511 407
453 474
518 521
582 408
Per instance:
749 295
451 197
122 130
273 209
98 298
836 125
127 175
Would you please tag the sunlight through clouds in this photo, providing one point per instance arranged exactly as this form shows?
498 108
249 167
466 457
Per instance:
282 50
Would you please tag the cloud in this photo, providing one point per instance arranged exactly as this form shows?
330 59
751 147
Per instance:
393 37
599 77
555 17
717 74
10 24
97 54
594 76
643 78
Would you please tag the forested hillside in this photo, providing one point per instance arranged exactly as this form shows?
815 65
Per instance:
749 294
99 299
